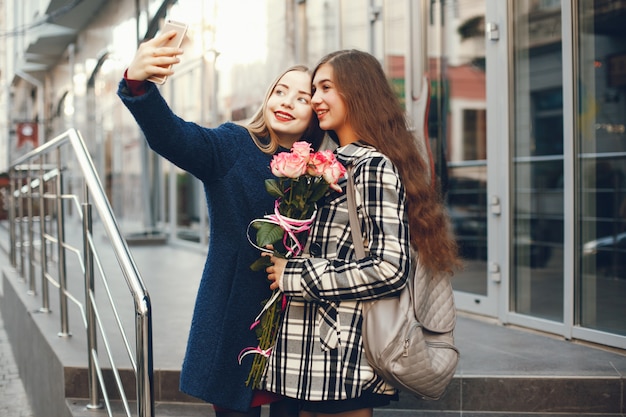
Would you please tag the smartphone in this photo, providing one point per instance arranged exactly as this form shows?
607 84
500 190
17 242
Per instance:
175 42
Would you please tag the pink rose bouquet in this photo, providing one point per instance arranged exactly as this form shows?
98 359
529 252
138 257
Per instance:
304 177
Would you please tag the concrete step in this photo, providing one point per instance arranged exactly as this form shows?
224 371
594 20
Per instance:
504 394
78 408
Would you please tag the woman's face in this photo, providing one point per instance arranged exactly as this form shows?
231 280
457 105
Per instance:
329 105
288 109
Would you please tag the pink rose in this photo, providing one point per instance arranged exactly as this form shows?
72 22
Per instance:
333 173
290 165
302 148
319 162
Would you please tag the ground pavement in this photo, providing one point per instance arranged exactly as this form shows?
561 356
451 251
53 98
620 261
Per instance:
13 400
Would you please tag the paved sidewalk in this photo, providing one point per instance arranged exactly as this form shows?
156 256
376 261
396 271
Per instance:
13 400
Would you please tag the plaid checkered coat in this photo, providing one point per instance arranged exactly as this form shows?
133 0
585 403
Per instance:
319 353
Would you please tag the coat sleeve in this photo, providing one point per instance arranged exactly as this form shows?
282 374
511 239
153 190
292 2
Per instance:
381 207
205 153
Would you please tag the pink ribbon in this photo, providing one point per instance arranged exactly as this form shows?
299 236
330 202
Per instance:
291 226
253 350
267 305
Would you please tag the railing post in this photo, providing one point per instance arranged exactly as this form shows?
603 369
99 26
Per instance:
20 202
54 216
145 383
32 290
12 218
65 332
45 293
92 342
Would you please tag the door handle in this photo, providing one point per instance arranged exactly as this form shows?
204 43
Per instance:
494 203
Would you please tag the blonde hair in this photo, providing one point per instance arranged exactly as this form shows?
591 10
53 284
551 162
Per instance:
260 131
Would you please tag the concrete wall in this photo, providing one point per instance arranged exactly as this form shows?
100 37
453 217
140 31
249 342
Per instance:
42 377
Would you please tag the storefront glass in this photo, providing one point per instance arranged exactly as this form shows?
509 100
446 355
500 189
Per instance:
395 46
182 93
457 127
537 166
601 165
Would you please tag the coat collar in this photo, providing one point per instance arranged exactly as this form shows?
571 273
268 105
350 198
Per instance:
348 154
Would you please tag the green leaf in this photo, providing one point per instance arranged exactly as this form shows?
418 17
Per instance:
271 185
268 234
300 186
261 263
319 191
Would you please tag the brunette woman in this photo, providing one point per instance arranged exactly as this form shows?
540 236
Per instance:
318 358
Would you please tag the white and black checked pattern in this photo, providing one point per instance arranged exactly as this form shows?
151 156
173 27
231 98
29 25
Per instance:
319 353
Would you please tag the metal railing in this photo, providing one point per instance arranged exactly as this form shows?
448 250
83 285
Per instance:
37 221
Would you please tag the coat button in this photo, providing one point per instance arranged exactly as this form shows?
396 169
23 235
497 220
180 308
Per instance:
315 249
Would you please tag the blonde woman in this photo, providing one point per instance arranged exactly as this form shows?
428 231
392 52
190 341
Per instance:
232 161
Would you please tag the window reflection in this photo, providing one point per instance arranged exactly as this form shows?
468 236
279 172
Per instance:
602 165
457 128
537 247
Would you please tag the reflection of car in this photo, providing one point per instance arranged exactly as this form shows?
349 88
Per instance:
470 229
606 255
467 206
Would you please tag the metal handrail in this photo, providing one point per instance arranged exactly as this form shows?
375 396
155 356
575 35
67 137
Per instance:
24 187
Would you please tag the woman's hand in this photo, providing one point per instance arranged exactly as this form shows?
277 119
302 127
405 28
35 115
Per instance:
275 271
153 59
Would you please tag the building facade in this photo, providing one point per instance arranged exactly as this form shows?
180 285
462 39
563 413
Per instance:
527 122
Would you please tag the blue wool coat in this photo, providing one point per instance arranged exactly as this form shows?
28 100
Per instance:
232 170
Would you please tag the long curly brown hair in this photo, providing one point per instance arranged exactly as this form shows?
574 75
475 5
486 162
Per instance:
378 120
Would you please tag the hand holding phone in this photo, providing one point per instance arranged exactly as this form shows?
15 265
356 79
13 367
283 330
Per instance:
174 42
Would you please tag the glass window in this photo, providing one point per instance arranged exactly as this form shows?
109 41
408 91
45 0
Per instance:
537 180
474 134
601 165
395 45
181 91
457 127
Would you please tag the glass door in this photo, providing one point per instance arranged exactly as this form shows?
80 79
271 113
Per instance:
537 268
568 169
601 172
458 126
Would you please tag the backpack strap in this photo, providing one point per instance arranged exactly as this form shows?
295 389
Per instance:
431 294
355 224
